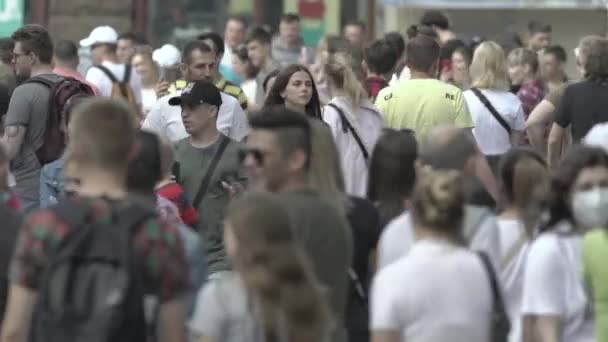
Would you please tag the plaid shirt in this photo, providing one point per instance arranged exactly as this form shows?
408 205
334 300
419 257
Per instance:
158 244
531 94
373 85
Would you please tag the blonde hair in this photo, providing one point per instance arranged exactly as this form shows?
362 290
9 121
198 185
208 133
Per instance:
339 69
325 174
521 56
583 49
276 271
438 202
489 67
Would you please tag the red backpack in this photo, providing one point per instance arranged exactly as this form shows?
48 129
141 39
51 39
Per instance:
62 92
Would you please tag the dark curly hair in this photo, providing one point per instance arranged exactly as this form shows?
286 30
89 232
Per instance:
578 158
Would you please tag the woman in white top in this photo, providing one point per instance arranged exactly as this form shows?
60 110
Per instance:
272 295
440 291
555 305
355 122
148 72
489 74
524 178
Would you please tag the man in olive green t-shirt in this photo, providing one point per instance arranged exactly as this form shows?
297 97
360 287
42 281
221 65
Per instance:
277 159
195 155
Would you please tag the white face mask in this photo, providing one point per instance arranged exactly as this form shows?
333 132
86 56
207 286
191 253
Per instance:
590 207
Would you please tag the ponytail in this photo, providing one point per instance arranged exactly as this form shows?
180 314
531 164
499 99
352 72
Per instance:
339 68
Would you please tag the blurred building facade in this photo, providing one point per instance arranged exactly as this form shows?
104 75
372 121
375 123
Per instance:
570 19
177 20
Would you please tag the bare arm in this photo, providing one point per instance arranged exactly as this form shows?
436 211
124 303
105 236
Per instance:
556 138
540 117
542 329
171 320
13 139
18 316
386 336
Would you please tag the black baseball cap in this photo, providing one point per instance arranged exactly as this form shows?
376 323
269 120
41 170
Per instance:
197 93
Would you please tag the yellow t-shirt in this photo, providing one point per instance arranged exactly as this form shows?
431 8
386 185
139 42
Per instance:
595 255
422 104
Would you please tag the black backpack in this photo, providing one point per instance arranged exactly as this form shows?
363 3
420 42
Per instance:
92 290
62 93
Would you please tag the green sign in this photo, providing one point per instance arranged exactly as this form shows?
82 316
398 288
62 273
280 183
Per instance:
11 16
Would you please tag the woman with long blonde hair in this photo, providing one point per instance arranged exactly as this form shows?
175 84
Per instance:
355 122
497 113
273 295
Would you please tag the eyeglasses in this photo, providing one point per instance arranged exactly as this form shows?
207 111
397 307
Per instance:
257 155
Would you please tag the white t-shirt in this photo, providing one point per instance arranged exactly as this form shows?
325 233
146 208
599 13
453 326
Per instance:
250 88
104 84
399 236
491 137
438 292
166 120
368 124
512 275
553 284
148 98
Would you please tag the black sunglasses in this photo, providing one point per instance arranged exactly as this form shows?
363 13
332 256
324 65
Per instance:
257 155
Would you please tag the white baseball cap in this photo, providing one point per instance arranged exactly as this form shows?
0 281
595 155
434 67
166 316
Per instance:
101 34
167 56
598 136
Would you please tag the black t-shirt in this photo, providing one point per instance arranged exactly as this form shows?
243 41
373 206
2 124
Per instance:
365 223
584 105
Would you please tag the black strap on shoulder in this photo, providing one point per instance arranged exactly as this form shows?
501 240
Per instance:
202 190
108 73
41 80
346 127
127 76
492 110
498 303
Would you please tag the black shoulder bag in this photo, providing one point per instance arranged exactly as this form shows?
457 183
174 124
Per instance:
346 127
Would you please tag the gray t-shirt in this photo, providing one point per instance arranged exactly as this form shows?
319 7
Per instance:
327 240
29 107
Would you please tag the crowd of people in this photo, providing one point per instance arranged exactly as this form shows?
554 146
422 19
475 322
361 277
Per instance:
244 187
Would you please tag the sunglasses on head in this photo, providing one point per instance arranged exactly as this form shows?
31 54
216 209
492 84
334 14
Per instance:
257 155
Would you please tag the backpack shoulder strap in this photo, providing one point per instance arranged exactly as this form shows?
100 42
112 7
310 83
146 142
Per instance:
107 72
202 190
41 80
346 126
484 100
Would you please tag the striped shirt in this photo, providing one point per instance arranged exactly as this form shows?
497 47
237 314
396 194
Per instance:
232 90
